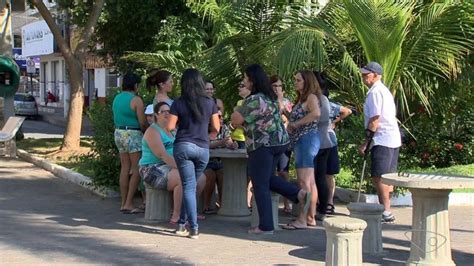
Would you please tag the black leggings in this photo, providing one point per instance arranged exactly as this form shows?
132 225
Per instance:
320 167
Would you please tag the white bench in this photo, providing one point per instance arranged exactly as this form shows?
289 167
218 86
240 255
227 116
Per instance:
7 135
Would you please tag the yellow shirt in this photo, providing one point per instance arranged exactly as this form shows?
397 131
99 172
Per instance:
238 133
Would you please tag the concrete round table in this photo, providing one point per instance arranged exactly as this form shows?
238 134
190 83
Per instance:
234 194
430 239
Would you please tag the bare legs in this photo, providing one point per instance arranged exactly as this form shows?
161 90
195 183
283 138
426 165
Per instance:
331 188
212 177
307 183
174 184
128 186
383 192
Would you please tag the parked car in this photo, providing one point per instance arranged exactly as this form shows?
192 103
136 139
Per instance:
25 104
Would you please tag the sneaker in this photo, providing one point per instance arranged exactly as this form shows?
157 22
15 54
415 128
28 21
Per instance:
194 234
387 219
182 231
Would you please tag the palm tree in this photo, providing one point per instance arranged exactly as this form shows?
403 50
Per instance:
417 43
238 28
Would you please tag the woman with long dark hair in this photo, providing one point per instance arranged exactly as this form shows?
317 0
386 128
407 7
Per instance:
266 139
197 115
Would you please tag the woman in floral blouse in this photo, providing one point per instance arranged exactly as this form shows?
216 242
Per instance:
305 140
266 139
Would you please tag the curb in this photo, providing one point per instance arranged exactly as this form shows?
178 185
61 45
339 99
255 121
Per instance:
68 174
350 195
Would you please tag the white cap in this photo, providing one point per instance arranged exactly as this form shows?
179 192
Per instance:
149 109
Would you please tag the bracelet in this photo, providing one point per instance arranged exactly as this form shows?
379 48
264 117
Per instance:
369 134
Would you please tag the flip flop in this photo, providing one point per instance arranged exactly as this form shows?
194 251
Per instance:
125 211
173 222
292 227
307 202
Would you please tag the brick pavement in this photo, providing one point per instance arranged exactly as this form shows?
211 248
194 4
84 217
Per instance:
47 220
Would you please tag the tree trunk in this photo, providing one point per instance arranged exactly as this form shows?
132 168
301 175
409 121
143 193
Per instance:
72 135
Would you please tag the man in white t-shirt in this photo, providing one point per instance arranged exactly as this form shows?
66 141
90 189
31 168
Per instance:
382 133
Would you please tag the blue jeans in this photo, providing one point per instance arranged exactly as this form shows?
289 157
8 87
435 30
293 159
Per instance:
191 161
261 169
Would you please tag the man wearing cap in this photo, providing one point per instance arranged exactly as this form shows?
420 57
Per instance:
382 133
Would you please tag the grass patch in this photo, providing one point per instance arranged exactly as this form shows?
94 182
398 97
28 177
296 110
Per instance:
49 149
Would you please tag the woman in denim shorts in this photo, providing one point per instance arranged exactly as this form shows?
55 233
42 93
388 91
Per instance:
130 122
157 165
304 136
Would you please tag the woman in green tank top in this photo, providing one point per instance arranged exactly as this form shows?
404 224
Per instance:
129 122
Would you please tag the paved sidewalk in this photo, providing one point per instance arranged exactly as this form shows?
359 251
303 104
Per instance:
47 220
55 116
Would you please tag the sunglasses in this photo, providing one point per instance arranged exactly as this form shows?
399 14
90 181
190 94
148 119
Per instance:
241 85
164 112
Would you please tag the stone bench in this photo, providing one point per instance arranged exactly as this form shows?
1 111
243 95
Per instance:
344 240
371 213
254 220
159 204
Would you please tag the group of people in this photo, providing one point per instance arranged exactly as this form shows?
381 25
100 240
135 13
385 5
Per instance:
173 152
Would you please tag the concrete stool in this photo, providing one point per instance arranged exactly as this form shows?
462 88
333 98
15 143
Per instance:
158 204
344 240
371 213
254 220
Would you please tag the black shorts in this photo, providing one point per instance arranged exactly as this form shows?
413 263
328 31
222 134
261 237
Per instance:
214 165
333 166
384 160
283 163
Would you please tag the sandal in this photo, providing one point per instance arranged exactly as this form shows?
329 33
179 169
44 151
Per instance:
331 209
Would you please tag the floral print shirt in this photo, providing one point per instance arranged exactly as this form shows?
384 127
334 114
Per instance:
263 124
297 113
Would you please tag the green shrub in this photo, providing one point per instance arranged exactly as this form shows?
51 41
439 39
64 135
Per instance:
444 138
104 157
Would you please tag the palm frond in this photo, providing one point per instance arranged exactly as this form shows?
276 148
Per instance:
157 60
380 27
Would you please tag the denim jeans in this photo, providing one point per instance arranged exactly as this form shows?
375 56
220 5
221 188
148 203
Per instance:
261 169
191 161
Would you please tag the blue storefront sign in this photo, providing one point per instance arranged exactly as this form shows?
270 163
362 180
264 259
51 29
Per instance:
20 60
